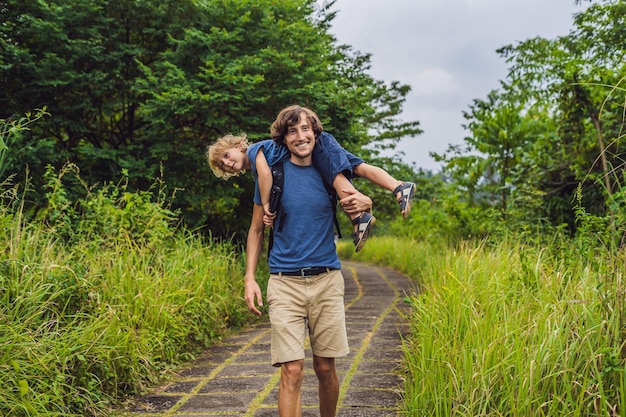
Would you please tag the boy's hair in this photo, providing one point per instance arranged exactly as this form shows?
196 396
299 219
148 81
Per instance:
290 116
225 143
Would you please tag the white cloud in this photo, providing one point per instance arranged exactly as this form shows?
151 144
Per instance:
444 49
433 82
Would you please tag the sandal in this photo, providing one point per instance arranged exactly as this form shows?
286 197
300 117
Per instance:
407 193
359 237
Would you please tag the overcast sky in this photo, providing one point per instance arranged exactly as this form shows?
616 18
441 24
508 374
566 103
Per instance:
446 51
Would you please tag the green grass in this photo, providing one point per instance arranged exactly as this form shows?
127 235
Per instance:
510 330
101 298
82 326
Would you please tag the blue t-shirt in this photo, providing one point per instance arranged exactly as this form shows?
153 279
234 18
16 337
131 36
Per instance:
273 152
307 238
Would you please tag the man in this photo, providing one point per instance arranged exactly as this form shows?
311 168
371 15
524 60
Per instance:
306 288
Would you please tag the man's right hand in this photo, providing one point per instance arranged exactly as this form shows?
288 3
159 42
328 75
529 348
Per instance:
253 296
356 202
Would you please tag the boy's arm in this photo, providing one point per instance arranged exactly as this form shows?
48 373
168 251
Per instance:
264 174
254 245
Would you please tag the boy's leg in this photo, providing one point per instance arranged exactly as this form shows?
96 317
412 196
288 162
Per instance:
361 221
335 165
377 176
404 192
332 162
330 159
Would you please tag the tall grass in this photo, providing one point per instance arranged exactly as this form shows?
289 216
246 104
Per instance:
512 330
87 317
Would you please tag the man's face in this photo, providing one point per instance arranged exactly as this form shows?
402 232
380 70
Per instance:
233 160
300 138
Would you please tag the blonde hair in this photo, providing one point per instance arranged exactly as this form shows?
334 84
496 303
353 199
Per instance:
214 153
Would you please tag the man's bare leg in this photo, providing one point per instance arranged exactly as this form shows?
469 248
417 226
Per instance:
362 221
291 375
328 385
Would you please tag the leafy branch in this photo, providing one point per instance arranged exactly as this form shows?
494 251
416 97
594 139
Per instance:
12 129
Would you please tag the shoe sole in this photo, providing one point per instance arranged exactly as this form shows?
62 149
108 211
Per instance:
409 203
359 245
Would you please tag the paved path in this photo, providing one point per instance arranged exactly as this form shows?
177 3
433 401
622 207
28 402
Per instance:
235 378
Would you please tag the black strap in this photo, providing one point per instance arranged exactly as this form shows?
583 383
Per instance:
333 203
278 183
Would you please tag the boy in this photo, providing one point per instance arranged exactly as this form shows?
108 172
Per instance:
233 155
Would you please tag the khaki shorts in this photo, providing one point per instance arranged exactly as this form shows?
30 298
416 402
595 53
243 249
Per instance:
313 305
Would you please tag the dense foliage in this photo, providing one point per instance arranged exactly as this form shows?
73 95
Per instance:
144 87
99 298
549 138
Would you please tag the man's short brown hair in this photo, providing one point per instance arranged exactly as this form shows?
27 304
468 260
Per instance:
290 116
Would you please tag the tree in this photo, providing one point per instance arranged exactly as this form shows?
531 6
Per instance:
564 100
146 86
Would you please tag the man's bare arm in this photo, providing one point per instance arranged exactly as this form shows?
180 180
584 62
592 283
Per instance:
254 245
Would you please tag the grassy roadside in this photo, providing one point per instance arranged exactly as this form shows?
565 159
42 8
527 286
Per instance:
82 324
510 330
97 304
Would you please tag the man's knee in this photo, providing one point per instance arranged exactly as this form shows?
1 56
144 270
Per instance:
292 372
323 367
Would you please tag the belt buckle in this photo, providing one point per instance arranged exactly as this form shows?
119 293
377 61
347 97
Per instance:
306 272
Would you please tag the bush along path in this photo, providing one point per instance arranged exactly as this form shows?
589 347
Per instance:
235 377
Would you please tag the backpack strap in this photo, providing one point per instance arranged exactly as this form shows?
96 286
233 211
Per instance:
278 184
333 203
